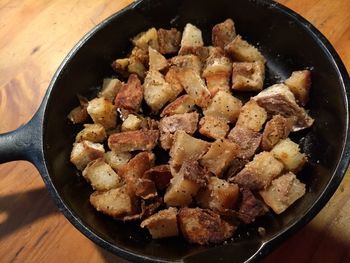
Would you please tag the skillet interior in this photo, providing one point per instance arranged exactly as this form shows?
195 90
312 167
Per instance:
287 45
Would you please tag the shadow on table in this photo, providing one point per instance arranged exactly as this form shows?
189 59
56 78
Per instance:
21 209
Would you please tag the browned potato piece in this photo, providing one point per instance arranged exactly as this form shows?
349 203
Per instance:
195 86
169 40
299 84
78 114
187 62
147 39
212 127
85 152
160 175
235 166
156 60
219 195
223 33
135 66
157 92
145 188
172 79
283 192
103 112
130 95
289 154
276 129
131 123
115 202
121 65
259 173
191 38
250 207
248 76
92 133
219 156
240 50
162 224
202 226
252 116
101 176
110 88
117 159
186 147
181 105
133 141
224 106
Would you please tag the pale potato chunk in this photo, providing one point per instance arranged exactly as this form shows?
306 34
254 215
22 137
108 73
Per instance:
85 152
117 160
110 88
157 92
169 40
147 39
219 156
120 66
156 60
101 176
289 154
92 133
223 33
241 50
219 195
103 112
131 123
248 76
181 105
162 224
135 66
213 127
185 147
259 173
283 192
252 116
299 84
133 141
191 38
224 106
187 62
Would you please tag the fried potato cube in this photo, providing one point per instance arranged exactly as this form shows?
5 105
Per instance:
157 92
283 192
145 188
252 116
248 76
223 33
181 105
130 95
276 129
219 156
202 226
135 66
191 38
160 175
92 133
131 123
110 88
189 61
194 86
117 159
240 50
289 154
115 202
162 224
185 147
133 141
79 114
224 106
219 195
147 39
213 127
85 152
172 79
101 176
169 40
299 84
156 60
259 173
103 112
121 65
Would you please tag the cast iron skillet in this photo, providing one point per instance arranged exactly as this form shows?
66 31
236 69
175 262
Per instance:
289 43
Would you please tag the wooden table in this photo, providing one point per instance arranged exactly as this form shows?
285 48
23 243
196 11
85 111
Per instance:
35 36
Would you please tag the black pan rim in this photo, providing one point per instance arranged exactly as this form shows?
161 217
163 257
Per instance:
266 246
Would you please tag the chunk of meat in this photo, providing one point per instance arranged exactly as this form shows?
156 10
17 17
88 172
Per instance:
283 192
278 99
92 133
133 141
213 127
223 33
169 40
160 175
248 76
182 104
191 38
103 112
299 84
247 139
149 124
110 88
202 226
85 152
250 207
130 95
145 188
252 116
276 129
235 166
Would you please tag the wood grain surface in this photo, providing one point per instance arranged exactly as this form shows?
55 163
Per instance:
35 36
